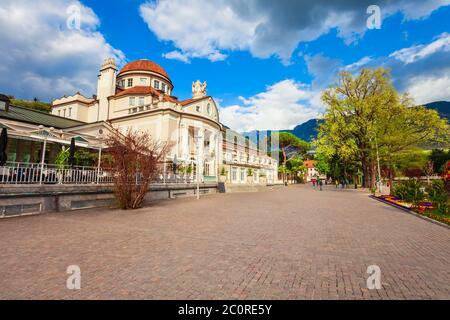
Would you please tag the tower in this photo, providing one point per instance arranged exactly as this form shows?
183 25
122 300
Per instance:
106 87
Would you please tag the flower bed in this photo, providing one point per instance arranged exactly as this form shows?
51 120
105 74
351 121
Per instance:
424 208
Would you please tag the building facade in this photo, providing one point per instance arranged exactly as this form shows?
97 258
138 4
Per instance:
311 171
140 97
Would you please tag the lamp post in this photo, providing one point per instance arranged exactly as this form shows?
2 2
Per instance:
41 127
378 164
99 137
198 138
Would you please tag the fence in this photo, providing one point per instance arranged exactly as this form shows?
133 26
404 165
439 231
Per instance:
35 173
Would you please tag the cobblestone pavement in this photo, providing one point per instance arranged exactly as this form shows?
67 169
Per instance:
287 243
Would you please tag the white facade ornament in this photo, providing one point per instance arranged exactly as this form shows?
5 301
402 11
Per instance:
198 89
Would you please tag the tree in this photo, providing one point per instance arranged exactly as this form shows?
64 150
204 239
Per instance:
290 146
135 162
428 169
365 116
322 164
294 167
439 157
407 128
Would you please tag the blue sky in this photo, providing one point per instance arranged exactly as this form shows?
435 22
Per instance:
265 62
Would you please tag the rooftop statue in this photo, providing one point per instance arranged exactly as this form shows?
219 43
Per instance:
198 89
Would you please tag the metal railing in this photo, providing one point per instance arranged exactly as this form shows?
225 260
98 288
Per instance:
36 173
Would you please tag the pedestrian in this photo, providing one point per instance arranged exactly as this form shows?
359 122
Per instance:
320 184
336 182
314 183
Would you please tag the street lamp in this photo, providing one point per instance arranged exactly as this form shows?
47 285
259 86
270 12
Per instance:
197 149
99 137
378 164
41 127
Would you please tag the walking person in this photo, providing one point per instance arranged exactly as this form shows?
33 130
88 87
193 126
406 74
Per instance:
320 184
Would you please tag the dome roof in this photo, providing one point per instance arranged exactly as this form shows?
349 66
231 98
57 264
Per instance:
144 65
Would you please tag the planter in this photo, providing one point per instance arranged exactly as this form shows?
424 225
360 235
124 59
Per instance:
263 180
250 179
223 178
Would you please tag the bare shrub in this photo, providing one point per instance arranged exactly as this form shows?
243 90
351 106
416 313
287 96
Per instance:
135 158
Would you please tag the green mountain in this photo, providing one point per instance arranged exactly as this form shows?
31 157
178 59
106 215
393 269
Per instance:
443 107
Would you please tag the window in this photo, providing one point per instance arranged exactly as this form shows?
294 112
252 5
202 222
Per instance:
242 174
156 84
208 108
122 83
64 113
163 87
197 108
130 82
132 101
70 112
143 81
233 174
141 101
59 113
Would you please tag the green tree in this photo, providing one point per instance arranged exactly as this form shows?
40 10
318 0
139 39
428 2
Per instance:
290 146
295 167
405 129
365 117
439 158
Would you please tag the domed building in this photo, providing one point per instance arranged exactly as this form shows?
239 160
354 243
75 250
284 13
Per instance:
140 96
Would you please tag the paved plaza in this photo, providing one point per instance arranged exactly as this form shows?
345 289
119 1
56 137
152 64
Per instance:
286 243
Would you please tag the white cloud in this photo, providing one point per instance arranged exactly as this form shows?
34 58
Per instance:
283 105
414 53
210 29
425 90
198 28
176 55
42 57
358 64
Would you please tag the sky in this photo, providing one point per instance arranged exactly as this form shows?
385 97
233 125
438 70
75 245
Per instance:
265 62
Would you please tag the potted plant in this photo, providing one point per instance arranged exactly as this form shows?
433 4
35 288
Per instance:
61 161
250 175
223 175
262 178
